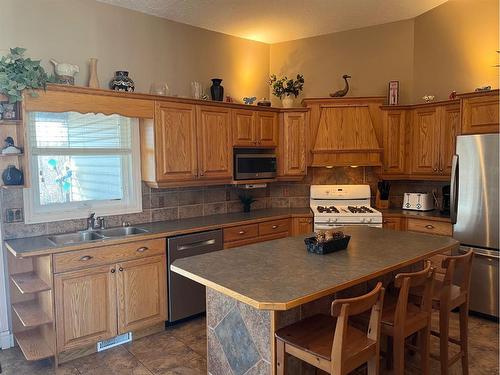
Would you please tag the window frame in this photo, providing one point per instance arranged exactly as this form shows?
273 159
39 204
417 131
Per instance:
131 203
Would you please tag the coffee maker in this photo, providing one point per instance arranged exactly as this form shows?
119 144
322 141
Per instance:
445 208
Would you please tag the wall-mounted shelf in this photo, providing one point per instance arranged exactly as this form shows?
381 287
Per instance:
11 122
10 155
9 187
33 345
30 313
29 282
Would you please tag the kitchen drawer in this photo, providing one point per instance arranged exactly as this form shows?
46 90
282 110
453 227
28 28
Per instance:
241 232
275 226
429 226
73 260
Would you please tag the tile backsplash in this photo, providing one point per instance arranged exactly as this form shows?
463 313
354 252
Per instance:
179 203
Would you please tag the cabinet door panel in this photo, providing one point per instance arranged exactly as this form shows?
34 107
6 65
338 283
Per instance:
449 130
175 134
244 128
141 290
394 142
424 142
85 306
480 114
214 143
394 223
267 129
292 155
302 225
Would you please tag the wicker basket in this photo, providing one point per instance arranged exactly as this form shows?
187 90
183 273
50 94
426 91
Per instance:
313 246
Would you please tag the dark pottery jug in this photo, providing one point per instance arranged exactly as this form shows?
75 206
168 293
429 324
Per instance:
216 90
122 82
12 176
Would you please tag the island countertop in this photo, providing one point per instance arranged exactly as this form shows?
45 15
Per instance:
281 274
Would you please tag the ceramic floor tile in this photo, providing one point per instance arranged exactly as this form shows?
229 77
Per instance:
13 363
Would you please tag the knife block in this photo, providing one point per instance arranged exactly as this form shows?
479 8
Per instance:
379 203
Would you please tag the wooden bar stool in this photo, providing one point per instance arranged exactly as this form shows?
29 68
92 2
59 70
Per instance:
448 296
403 318
330 343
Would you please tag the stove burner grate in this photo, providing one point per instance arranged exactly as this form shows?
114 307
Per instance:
359 209
327 210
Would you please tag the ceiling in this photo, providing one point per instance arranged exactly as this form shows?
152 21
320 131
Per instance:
273 21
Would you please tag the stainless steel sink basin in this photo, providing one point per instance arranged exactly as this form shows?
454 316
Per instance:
122 231
78 237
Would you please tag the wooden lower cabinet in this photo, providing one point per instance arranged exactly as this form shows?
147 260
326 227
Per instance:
302 225
141 292
394 223
85 306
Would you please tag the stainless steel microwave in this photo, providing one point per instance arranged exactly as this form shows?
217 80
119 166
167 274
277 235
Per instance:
254 164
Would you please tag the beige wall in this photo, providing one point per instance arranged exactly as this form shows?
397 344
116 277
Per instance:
455 48
151 48
373 56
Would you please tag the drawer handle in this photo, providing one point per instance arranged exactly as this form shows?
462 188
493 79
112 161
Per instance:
241 232
113 270
275 226
120 269
142 249
385 222
429 226
86 258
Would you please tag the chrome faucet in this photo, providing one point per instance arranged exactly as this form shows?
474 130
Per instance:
94 222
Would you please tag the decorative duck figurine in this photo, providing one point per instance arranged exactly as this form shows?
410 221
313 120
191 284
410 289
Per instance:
344 91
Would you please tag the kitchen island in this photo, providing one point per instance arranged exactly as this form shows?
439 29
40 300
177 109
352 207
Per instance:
254 290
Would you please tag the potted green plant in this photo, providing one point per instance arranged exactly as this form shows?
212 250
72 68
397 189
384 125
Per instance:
247 201
284 88
18 73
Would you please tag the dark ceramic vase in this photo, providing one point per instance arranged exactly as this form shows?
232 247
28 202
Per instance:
12 176
122 82
217 91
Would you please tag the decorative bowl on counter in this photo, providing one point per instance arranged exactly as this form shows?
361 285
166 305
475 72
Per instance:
326 247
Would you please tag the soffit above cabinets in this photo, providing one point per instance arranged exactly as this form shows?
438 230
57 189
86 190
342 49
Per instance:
280 20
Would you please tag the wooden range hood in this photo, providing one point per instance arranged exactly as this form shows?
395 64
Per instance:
345 132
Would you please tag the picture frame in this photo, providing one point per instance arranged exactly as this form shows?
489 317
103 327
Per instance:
393 94
9 111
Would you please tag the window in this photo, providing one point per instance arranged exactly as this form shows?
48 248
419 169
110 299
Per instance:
81 163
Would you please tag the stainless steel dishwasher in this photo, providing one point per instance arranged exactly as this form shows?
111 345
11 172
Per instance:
186 297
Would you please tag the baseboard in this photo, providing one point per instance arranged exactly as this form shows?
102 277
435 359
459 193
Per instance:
6 340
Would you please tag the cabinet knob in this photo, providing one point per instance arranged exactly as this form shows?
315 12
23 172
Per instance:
86 258
440 169
275 227
120 269
429 226
241 232
435 169
113 270
142 249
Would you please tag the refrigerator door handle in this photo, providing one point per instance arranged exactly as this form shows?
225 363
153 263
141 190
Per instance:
454 189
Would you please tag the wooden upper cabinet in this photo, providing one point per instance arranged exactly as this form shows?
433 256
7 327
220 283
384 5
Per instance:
292 150
141 291
175 142
450 126
244 128
214 143
266 129
424 141
394 141
480 113
85 305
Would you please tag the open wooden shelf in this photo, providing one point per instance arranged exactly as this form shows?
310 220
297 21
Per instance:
29 282
33 345
31 314
12 187
10 155
11 122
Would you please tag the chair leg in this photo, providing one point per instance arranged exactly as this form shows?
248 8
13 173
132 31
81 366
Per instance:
399 355
280 358
464 320
444 332
424 342
389 355
373 365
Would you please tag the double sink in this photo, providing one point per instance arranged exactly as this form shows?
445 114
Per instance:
94 235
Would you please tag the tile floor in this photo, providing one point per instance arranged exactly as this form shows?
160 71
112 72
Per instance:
180 350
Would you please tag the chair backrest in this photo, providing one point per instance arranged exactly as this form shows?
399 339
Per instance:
457 265
414 283
342 309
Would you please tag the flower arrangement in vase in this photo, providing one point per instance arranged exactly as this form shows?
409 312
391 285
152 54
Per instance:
284 88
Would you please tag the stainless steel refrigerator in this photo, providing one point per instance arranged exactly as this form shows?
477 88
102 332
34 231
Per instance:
474 214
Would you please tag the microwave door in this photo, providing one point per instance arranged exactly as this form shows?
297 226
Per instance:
255 166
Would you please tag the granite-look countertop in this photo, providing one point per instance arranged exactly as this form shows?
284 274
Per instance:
430 215
281 274
40 245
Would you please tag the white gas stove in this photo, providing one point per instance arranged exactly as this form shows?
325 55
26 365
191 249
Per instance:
338 205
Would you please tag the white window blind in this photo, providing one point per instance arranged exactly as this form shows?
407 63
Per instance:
82 161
